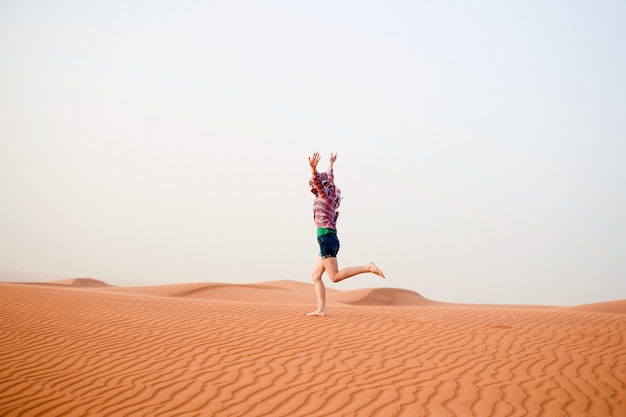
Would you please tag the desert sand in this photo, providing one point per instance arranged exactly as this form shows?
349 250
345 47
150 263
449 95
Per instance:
80 348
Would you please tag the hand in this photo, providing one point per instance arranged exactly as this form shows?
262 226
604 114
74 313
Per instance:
333 158
313 160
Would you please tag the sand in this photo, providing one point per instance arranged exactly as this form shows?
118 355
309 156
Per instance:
82 348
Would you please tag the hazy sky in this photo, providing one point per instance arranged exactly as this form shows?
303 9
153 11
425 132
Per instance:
482 145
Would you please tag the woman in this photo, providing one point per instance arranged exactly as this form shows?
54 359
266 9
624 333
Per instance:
327 199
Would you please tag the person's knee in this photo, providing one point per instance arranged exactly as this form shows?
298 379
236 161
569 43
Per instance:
317 277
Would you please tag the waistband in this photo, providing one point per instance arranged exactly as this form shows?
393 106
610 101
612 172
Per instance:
323 231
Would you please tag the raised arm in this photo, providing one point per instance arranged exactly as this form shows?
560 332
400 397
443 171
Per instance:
313 161
333 158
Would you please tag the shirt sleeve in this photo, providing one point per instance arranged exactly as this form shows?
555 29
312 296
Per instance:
317 182
331 177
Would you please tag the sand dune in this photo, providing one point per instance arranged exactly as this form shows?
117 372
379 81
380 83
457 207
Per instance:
276 292
82 348
610 307
280 292
381 297
82 282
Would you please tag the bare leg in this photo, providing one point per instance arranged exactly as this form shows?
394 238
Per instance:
320 290
332 269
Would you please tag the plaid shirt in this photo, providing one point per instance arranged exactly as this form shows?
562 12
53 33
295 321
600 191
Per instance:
326 200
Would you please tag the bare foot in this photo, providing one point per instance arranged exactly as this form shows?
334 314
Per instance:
316 313
375 270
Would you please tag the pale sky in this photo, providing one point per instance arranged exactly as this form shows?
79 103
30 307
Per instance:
481 144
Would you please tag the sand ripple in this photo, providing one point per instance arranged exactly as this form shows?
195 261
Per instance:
97 352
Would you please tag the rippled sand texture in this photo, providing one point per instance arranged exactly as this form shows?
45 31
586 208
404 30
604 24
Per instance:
212 350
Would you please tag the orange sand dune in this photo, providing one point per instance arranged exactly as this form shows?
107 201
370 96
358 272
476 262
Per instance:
229 350
82 282
279 292
381 297
611 307
275 292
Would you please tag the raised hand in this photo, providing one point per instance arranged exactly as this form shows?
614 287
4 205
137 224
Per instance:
314 160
